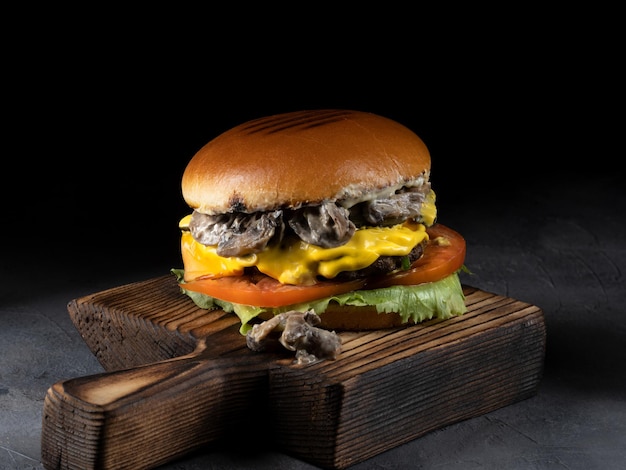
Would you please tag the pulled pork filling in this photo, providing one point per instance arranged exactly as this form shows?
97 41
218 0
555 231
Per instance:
328 225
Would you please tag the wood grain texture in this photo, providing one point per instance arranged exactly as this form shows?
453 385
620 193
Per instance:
179 378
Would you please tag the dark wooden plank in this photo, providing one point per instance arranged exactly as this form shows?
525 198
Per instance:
390 387
179 377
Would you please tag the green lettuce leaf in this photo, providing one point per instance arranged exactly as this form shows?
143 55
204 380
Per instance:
441 299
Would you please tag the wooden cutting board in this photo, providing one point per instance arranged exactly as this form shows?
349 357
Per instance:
180 379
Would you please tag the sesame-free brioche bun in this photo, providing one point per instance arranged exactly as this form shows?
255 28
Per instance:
355 318
302 158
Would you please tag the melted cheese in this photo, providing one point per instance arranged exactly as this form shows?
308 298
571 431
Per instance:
299 262
428 210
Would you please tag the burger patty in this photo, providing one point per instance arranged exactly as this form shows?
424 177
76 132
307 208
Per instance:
385 264
327 225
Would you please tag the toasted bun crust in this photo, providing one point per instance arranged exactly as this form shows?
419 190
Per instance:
300 158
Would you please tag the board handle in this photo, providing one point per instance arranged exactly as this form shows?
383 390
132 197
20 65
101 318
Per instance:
146 416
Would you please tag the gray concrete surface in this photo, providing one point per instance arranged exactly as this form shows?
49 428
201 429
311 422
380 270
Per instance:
560 246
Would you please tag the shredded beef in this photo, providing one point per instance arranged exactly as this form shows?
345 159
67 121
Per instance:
392 210
299 332
236 234
327 225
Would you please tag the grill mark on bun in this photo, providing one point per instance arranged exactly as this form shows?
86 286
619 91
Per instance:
302 158
301 120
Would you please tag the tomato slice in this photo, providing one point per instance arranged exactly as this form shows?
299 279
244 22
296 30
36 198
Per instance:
264 291
439 260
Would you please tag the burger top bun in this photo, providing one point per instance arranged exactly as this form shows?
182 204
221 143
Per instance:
302 158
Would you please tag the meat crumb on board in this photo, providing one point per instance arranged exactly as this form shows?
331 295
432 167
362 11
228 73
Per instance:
299 332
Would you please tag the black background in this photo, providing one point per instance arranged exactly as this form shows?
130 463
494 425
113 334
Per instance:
96 144
522 113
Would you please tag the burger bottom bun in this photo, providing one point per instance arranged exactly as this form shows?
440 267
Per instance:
352 318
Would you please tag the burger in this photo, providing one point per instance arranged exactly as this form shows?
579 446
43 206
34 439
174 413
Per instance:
329 212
